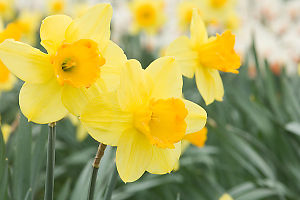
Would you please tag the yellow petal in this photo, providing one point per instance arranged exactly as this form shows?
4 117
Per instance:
166 77
198 138
6 131
209 84
225 197
94 25
133 155
115 60
198 29
135 88
41 103
104 120
196 117
26 62
164 160
186 58
81 133
53 30
75 99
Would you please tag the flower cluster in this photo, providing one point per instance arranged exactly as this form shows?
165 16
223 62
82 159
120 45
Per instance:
140 111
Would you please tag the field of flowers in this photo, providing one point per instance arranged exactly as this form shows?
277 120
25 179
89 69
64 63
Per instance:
149 99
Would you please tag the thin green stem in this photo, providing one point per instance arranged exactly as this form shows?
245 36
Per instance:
111 184
99 154
50 162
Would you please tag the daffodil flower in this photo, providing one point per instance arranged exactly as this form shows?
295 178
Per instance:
57 6
148 15
219 12
6 131
225 197
81 60
146 118
185 12
29 22
7 80
204 57
7 9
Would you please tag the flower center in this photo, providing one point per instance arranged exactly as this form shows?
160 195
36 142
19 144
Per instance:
218 53
146 14
4 73
163 122
78 64
218 3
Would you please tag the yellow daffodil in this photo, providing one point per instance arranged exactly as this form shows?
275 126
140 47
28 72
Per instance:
7 10
6 131
146 118
81 132
225 197
219 12
185 12
29 22
204 57
81 60
148 15
198 139
57 6
232 21
7 80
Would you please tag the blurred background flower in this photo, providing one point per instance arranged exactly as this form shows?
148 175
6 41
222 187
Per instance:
251 149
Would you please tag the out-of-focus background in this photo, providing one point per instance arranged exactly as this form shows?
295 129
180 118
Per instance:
253 143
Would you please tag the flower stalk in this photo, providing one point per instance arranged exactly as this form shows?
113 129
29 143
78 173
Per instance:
96 163
50 162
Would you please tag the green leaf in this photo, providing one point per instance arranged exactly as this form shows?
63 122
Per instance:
38 156
65 191
293 127
22 162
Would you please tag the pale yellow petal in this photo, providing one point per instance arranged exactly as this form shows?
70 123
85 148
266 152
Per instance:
104 120
196 117
26 62
75 99
185 56
94 25
226 196
164 160
135 88
53 31
166 77
6 131
133 155
115 60
41 103
81 133
197 29
209 84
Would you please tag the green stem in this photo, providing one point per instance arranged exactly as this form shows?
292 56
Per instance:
111 184
100 153
50 162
